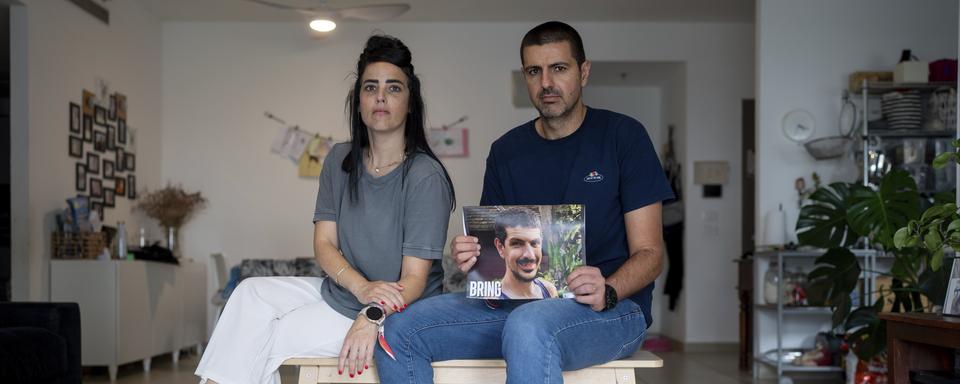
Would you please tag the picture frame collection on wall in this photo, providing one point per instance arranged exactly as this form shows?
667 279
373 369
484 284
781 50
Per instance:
99 140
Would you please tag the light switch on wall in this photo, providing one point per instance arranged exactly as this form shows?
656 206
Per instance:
711 172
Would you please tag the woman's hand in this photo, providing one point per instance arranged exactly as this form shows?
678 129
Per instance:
357 351
383 293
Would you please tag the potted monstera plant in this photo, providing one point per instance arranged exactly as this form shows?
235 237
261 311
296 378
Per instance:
888 218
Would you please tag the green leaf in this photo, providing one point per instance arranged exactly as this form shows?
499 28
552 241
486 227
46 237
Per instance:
944 197
841 310
823 222
866 332
832 280
900 238
954 225
937 259
932 239
879 214
943 159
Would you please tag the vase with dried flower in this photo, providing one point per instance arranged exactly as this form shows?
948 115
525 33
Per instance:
172 207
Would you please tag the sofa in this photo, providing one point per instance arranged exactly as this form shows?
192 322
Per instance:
40 343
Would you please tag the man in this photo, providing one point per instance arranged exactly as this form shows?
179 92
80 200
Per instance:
518 239
570 154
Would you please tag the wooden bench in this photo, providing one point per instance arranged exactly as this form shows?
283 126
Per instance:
324 370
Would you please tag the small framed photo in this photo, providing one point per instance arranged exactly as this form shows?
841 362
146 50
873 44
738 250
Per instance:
87 128
107 169
96 187
121 106
88 103
75 118
76 147
112 112
93 163
118 160
99 141
129 162
108 197
98 207
111 138
100 115
122 131
120 185
131 187
81 182
951 302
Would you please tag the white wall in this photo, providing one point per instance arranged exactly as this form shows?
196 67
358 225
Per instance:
68 50
218 78
805 52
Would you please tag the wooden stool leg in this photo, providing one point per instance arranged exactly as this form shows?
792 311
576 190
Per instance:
309 374
625 376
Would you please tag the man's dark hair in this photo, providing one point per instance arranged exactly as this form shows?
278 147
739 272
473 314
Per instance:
514 217
555 32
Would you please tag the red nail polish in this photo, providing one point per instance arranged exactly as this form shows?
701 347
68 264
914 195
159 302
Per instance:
360 373
382 303
404 306
340 372
366 366
395 308
351 375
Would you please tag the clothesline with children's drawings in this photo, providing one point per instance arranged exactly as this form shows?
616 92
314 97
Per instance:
305 149
451 125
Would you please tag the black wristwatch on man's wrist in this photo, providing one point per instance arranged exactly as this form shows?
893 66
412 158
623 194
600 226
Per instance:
609 297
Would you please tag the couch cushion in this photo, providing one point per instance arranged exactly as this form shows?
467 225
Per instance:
31 355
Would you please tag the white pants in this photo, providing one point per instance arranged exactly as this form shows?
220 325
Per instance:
266 321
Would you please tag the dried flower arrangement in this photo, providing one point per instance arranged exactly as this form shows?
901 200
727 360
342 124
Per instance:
171 205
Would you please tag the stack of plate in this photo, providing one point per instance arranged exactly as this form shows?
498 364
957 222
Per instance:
903 110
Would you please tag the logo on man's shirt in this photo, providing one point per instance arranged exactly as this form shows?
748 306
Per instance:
593 177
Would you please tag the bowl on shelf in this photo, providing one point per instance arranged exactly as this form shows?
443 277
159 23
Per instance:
787 355
826 148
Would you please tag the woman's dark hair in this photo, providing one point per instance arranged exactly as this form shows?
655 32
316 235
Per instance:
388 49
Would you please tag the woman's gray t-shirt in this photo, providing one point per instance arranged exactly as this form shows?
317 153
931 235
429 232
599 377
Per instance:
402 213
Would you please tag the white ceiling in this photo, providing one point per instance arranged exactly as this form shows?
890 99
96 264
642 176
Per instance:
474 10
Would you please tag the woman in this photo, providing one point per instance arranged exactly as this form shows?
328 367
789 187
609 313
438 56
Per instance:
379 230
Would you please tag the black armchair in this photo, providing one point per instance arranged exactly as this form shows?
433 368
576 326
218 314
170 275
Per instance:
40 343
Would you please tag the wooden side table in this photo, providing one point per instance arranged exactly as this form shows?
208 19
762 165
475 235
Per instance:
918 341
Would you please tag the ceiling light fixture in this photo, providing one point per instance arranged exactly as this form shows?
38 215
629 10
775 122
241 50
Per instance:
323 25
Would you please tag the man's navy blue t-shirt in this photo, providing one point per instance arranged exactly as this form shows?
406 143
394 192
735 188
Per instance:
608 165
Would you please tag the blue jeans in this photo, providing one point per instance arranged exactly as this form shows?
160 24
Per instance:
538 339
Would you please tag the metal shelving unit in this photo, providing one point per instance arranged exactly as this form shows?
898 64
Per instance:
786 316
873 88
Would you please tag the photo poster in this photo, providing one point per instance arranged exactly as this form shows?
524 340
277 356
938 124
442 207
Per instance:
526 251
951 304
290 142
311 162
449 142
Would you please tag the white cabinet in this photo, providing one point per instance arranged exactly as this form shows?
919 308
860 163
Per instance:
133 310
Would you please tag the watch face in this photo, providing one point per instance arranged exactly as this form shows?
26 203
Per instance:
611 297
374 313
